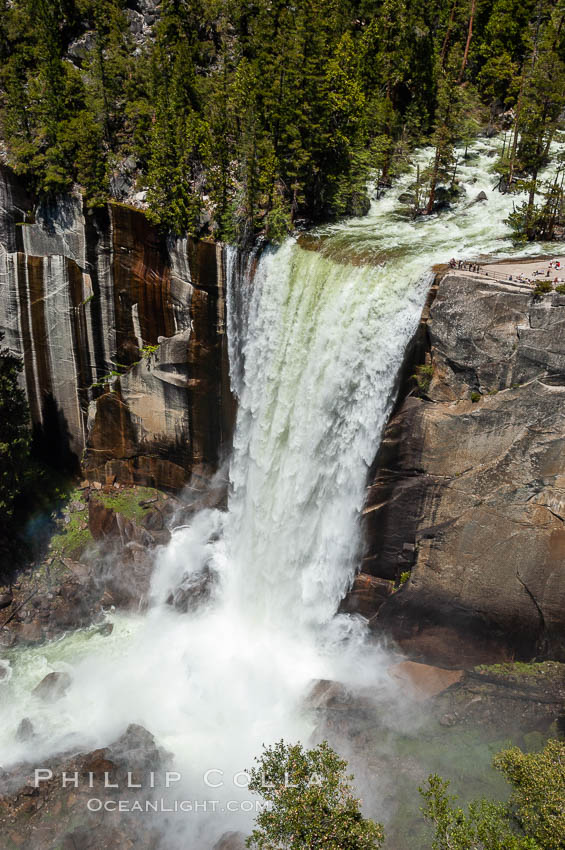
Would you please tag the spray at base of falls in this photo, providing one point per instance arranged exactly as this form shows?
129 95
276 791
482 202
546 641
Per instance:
313 364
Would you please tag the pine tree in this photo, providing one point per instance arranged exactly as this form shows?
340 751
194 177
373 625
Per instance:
541 102
448 128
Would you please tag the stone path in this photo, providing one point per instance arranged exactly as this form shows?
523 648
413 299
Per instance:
528 267
524 271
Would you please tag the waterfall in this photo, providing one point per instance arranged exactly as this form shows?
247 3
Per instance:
324 343
317 333
314 375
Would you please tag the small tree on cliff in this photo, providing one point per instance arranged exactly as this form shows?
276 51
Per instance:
534 818
538 796
311 802
15 437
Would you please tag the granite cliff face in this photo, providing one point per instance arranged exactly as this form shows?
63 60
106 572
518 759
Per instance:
468 492
122 335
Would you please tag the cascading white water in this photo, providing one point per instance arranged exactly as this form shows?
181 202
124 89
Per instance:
316 341
323 347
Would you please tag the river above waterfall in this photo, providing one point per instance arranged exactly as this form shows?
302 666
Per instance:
314 370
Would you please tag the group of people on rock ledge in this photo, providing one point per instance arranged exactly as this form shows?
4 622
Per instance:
554 265
461 264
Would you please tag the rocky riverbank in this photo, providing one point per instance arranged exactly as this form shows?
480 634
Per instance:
131 773
100 558
445 721
49 813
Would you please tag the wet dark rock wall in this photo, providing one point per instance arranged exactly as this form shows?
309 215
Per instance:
122 336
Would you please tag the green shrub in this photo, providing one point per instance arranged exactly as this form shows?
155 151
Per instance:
475 397
560 288
311 802
542 287
533 819
538 782
423 377
148 351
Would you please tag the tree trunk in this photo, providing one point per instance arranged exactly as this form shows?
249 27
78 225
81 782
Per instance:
515 138
433 183
417 194
531 203
447 34
469 37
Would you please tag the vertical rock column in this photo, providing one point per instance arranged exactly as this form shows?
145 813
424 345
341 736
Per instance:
122 336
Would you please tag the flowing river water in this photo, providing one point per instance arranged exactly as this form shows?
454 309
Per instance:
317 336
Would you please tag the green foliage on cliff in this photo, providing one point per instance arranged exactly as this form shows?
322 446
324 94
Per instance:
258 114
542 287
538 798
484 826
15 435
423 377
533 819
311 803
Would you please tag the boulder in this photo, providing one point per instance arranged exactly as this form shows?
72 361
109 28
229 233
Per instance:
101 520
150 9
108 526
407 198
7 638
80 48
29 633
25 731
367 595
424 681
6 599
136 747
194 590
231 841
52 687
338 708
327 694
153 521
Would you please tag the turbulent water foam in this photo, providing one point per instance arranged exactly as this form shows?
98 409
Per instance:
316 340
